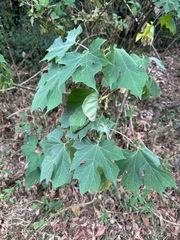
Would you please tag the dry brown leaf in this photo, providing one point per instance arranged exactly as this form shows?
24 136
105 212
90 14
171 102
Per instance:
97 212
101 231
145 221
76 211
137 232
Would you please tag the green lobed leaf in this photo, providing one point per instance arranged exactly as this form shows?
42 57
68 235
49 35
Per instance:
30 147
69 2
143 167
168 5
56 163
143 61
33 159
59 48
89 157
50 88
84 66
123 72
64 120
169 22
90 106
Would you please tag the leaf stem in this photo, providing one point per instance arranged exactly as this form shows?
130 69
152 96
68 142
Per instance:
124 137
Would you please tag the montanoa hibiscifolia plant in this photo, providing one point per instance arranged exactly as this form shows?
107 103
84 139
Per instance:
82 146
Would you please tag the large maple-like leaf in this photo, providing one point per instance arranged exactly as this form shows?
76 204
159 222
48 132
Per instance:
58 49
56 163
123 72
86 64
143 167
89 157
51 87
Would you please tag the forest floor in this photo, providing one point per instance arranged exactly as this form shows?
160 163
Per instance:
42 213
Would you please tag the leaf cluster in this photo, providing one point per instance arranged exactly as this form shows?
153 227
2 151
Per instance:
81 146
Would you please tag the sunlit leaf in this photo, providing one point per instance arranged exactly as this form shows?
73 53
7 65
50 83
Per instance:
90 106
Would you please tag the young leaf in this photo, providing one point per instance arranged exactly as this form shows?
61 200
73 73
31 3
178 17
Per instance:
90 106
143 62
89 157
103 125
147 36
168 21
123 72
79 134
56 163
143 167
64 120
59 48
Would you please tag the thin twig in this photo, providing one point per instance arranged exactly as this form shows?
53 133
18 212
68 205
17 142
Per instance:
17 112
28 80
151 9
157 54
123 136
101 13
26 88
171 44
130 11
120 111
161 218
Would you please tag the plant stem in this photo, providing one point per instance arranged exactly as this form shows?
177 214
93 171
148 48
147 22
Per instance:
120 111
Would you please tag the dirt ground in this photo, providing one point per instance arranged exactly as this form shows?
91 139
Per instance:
42 213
